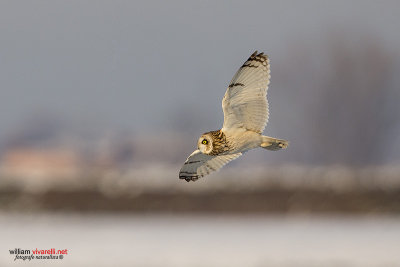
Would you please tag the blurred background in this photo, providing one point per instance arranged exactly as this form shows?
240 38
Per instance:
101 102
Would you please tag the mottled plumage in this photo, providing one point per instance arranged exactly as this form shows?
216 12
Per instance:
246 114
220 145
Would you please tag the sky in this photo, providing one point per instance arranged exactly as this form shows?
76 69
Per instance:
153 66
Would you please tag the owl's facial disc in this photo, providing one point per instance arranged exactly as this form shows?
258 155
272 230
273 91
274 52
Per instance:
205 144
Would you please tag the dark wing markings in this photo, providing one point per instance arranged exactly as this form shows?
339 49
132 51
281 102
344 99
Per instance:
248 65
191 162
235 84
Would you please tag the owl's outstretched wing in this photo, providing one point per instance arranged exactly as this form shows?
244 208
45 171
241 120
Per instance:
198 165
245 102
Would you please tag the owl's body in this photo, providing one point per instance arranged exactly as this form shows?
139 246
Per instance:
245 116
232 141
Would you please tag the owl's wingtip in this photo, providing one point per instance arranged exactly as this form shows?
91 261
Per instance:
256 54
188 178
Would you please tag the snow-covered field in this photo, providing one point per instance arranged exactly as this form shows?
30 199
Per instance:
202 240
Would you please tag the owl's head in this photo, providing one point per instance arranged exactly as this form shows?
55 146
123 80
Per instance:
205 143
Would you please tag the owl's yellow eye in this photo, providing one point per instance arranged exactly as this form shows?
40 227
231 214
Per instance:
204 141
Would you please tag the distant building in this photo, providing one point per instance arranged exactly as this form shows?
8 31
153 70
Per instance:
40 163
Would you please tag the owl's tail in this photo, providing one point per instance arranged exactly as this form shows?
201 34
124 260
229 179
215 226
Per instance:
273 144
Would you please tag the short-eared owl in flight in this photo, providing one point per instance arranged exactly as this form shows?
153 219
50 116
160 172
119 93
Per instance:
246 113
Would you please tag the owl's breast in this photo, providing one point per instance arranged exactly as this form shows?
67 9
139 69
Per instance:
241 140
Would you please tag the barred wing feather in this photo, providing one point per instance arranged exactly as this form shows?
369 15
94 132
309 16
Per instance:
245 102
198 165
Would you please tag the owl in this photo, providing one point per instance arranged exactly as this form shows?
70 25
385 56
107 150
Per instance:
246 114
